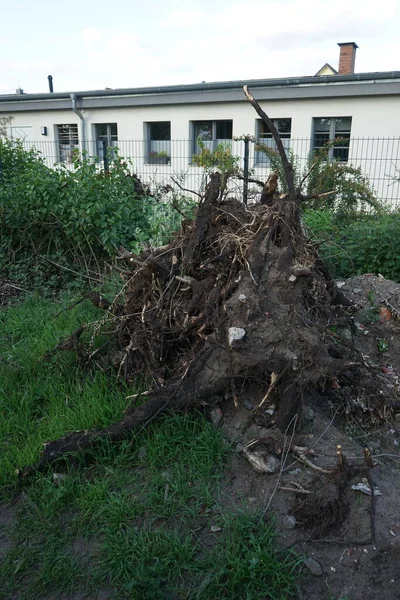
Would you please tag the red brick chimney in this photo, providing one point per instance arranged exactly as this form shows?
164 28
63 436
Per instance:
347 58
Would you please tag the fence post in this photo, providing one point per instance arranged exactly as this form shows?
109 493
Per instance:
105 156
246 169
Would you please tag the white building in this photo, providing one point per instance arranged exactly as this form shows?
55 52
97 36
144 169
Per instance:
160 125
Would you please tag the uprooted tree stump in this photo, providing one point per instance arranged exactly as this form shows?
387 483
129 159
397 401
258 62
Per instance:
240 298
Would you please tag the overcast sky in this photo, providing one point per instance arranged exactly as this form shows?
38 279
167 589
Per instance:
92 45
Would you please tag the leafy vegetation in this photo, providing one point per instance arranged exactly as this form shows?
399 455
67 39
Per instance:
73 218
221 158
130 519
352 191
357 244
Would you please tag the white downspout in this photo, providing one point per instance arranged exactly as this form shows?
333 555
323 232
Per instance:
80 115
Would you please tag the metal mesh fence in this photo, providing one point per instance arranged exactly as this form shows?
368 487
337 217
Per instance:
378 159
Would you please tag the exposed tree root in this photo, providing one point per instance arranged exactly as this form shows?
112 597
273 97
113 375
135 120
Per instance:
239 297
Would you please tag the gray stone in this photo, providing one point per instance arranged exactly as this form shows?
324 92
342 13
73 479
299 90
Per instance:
215 416
308 414
289 522
235 334
357 290
248 404
313 566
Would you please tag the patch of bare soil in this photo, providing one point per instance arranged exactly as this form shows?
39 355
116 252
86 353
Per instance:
350 539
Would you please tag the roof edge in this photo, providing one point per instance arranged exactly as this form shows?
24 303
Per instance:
218 85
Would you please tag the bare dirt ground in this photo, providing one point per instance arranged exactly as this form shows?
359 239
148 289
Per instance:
353 541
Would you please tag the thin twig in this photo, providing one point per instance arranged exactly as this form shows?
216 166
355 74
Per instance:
285 454
72 271
185 189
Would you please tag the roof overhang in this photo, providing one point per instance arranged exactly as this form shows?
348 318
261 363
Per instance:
332 86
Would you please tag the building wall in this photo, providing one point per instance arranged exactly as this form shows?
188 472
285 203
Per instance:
372 117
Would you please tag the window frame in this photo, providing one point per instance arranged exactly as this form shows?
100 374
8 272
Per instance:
334 153
154 146
260 158
108 136
67 146
215 141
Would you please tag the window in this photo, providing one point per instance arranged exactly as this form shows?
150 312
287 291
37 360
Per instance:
158 142
211 133
264 137
326 130
68 142
106 136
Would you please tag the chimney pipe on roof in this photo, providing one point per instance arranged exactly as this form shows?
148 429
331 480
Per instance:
50 78
347 58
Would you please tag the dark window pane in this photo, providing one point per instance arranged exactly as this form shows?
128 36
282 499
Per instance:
224 130
203 130
101 130
320 139
160 131
113 129
341 154
284 125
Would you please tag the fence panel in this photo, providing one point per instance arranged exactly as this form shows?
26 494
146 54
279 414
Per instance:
378 159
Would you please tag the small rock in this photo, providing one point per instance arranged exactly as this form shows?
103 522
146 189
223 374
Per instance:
215 528
296 471
239 447
289 522
313 566
308 414
242 298
248 404
235 334
357 290
215 415
261 462
252 500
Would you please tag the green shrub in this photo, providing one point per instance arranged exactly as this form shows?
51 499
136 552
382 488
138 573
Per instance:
358 244
352 191
75 218
77 212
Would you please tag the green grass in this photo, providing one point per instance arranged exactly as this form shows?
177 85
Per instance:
42 399
131 519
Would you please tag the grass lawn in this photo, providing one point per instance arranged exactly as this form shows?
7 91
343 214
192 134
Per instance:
137 520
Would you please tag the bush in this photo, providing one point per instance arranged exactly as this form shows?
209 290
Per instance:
352 191
77 216
75 212
358 244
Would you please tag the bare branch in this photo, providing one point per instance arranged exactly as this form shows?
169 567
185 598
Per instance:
286 164
185 189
